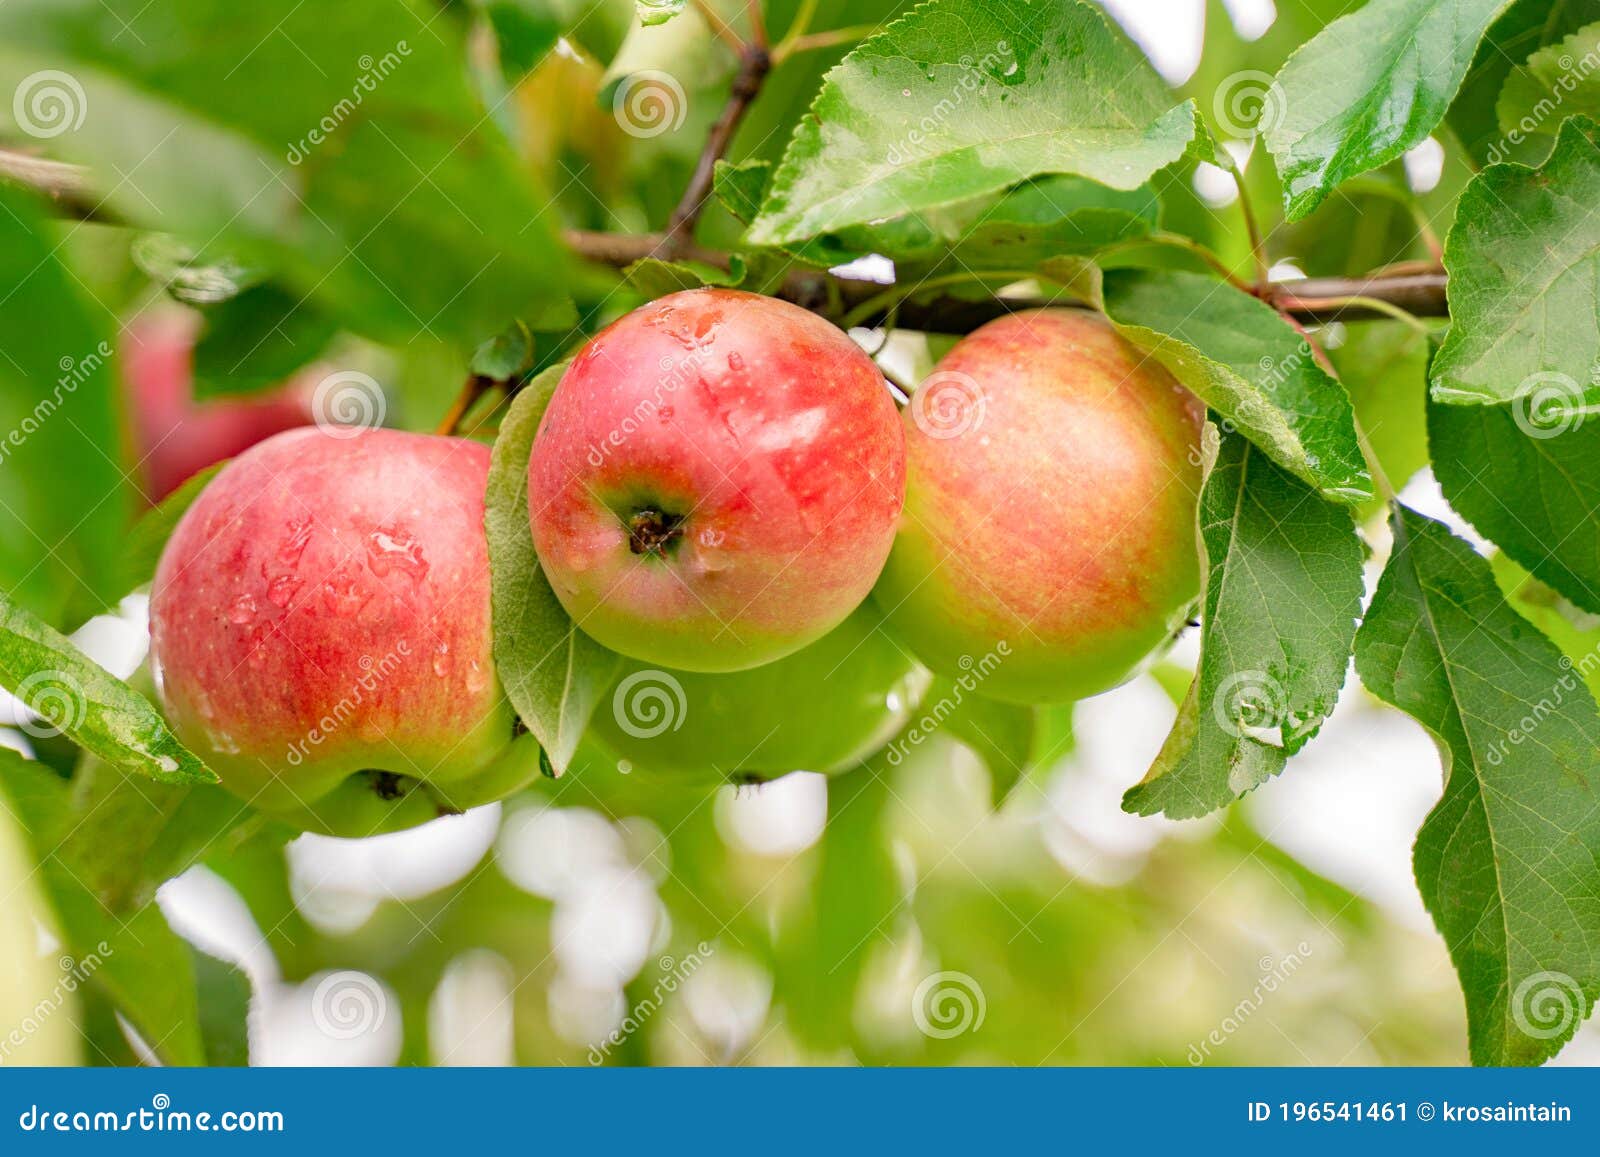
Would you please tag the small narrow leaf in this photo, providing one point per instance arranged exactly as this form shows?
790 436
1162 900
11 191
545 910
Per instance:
956 100
1247 363
75 695
1366 88
257 340
1507 860
741 187
1531 489
504 356
1283 590
553 673
1523 257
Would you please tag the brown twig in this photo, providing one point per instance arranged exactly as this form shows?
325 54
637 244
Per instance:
1311 300
754 64
66 185
472 389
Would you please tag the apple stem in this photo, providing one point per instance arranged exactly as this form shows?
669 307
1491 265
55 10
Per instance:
472 389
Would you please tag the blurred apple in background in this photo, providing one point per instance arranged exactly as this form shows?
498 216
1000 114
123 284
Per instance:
176 437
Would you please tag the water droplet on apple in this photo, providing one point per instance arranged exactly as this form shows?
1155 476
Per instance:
223 743
441 660
390 548
290 550
343 596
477 678
243 610
281 590
736 361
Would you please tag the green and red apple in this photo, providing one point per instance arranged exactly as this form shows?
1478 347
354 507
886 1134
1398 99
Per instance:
1053 475
716 481
320 632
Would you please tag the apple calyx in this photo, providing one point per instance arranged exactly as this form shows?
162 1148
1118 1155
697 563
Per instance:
652 531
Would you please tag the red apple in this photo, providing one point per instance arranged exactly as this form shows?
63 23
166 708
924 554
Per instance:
1049 534
177 437
321 635
716 481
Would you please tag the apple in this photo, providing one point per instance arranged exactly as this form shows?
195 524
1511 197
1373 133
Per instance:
1049 534
176 437
320 632
38 1012
823 708
716 480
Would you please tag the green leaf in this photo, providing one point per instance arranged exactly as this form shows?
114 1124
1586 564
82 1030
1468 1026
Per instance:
1556 82
526 30
1002 735
135 960
256 340
1533 492
341 144
653 277
1523 258
1521 31
506 355
741 187
1247 363
958 100
1507 860
1383 366
1366 88
62 497
553 673
223 993
97 711
1283 591
653 12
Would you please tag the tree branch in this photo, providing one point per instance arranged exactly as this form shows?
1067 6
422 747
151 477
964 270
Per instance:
66 185
1311 300
754 64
